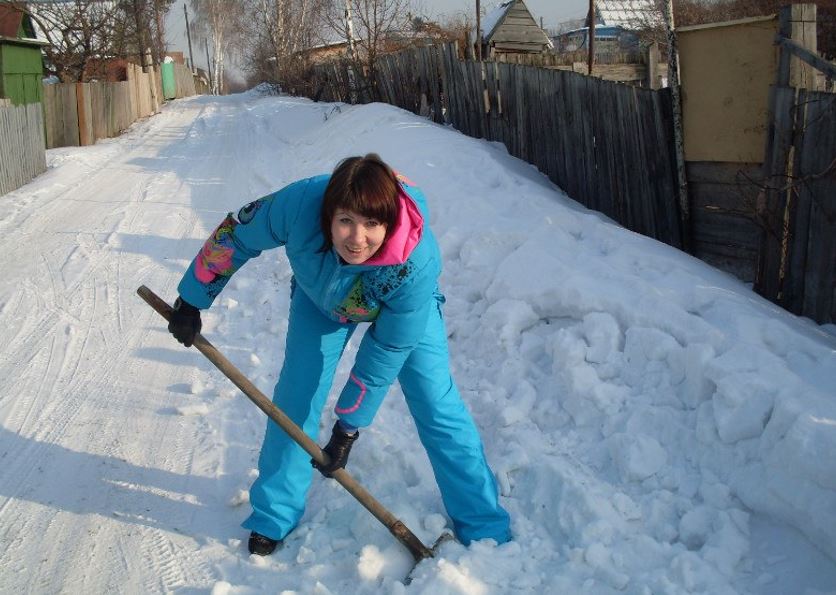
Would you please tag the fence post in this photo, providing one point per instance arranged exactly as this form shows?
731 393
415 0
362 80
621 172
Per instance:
85 126
802 30
653 56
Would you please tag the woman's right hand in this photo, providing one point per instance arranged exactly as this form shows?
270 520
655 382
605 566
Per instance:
185 322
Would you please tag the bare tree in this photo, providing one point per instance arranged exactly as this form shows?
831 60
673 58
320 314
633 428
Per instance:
221 22
141 27
79 32
276 33
697 12
84 34
378 26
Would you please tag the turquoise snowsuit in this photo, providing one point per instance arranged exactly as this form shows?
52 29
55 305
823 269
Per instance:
396 290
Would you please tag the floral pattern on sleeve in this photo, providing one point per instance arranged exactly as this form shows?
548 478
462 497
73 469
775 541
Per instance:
214 264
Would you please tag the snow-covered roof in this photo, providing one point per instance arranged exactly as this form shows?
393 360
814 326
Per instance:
493 18
630 14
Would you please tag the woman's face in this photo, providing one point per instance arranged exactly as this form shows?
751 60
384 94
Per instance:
356 238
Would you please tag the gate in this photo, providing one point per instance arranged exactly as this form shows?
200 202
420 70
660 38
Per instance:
797 261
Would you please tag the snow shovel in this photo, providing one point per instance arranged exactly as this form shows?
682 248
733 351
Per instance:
418 550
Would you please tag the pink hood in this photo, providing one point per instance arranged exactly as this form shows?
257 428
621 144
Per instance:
406 235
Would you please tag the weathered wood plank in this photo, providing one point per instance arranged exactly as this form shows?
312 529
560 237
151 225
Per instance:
772 258
817 167
22 145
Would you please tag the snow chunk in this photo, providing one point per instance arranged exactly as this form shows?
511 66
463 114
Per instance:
599 558
636 457
460 578
221 588
240 497
435 523
603 335
697 387
742 405
695 526
522 401
371 563
511 318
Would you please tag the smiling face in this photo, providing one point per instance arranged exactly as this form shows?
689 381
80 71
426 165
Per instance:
355 237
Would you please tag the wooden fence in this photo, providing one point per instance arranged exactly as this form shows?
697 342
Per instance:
608 145
797 257
22 155
61 110
82 113
184 81
797 266
637 67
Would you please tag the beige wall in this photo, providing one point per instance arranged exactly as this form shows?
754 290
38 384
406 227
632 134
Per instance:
726 70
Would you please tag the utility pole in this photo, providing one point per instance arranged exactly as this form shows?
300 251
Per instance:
478 31
189 37
591 35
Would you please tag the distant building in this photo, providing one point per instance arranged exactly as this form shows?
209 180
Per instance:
630 15
616 24
510 28
324 52
607 39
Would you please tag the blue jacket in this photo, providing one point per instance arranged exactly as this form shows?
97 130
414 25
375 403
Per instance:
394 290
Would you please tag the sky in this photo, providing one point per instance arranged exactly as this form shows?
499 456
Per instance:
653 425
175 23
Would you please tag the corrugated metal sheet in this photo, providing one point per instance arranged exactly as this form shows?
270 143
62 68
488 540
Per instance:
630 14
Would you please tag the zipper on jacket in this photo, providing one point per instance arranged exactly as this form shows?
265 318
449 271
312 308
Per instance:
330 287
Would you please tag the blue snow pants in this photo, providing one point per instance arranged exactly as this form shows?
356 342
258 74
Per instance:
445 427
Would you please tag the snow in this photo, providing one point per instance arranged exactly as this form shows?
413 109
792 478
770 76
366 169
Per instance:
654 426
492 18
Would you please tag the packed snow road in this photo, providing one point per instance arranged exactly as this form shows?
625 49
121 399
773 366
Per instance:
654 426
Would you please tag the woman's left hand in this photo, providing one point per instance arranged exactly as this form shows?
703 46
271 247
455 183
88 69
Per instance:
338 449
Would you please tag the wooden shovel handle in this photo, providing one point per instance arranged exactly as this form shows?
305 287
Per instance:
418 550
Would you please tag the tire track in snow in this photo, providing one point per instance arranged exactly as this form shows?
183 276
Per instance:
100 409
63 412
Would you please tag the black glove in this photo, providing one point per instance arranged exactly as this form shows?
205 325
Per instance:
185 322
337 448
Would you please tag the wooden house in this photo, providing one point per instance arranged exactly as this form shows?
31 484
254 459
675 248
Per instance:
21 64
510 28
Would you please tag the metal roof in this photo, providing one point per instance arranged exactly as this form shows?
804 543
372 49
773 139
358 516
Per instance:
630 14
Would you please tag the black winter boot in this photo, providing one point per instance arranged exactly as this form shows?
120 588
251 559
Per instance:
261 545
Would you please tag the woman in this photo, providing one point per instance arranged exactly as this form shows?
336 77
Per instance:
361 251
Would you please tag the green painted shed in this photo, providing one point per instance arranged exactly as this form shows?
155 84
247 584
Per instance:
21 62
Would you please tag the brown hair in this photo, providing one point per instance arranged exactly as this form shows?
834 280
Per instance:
362 185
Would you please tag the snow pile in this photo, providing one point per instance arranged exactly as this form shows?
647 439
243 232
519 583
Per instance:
654 426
